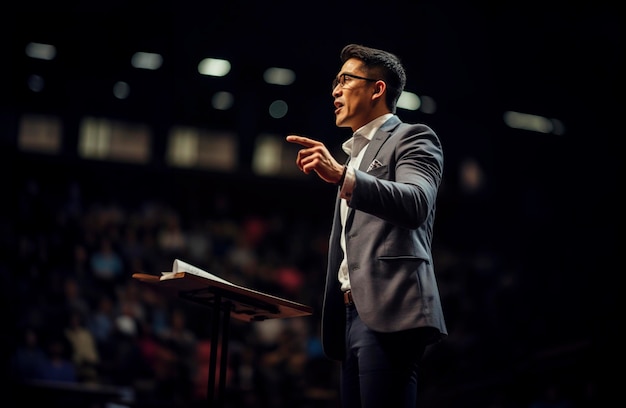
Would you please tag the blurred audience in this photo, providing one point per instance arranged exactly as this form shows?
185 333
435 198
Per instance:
84 351
58 365
29 357
79 317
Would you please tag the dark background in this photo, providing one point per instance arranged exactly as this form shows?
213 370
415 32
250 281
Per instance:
547 218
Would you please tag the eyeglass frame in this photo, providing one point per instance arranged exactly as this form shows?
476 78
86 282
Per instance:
342 82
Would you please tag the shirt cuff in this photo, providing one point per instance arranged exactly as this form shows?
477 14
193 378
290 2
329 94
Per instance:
348 184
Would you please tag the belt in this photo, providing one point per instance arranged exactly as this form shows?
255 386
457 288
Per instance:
347 298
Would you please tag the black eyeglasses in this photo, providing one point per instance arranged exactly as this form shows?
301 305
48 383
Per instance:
341 80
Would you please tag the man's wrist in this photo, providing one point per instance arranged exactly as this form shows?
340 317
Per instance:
343 176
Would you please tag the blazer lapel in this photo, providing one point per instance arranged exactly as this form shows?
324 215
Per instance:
381 135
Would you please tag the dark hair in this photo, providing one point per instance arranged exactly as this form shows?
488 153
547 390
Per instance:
384 64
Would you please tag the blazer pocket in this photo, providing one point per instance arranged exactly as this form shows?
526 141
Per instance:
378 171
405 258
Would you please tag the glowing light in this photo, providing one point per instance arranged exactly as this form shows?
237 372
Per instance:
214 67
41 51
278 109
146 60
526 121
409 101
279 76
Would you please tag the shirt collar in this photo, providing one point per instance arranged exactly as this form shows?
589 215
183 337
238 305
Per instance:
367 131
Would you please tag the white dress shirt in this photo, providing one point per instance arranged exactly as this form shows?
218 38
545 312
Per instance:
355 147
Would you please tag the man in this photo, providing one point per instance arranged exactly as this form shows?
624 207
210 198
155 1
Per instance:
381 301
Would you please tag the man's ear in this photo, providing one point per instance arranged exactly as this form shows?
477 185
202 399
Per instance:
379 87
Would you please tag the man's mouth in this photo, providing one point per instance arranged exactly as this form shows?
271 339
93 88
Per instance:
338 106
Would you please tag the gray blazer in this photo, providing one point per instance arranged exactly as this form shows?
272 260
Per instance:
389 230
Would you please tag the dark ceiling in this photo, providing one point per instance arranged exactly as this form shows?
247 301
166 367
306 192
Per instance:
475 58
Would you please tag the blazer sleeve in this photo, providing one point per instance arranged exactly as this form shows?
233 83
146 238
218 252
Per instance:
403 190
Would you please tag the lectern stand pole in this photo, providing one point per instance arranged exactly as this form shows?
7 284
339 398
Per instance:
220 322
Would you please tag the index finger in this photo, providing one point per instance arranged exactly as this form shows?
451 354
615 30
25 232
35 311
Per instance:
301 140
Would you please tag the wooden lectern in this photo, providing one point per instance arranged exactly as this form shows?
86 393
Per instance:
226 300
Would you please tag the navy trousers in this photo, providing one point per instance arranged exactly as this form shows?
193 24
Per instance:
380 369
